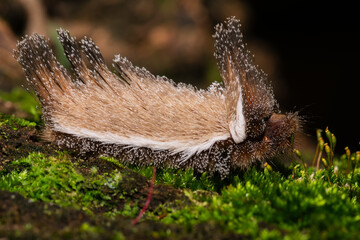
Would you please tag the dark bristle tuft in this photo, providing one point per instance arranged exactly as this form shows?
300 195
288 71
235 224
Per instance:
41 68
239 72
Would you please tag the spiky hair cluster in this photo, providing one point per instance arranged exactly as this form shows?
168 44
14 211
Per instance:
149 120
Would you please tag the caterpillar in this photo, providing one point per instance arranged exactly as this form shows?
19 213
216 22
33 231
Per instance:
143 119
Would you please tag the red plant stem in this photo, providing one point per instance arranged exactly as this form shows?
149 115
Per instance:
147 203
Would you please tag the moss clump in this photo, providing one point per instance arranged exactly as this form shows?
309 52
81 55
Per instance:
67 182
309 203
15 122
54 179
293 206
25 101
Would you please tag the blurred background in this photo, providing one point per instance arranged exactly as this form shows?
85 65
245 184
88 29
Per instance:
309 49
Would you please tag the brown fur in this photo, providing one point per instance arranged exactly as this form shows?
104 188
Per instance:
149 120
103 102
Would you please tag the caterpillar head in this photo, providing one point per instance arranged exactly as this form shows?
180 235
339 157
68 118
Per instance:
280 131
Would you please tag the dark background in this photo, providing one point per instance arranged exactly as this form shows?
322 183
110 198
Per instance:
309 48
318 47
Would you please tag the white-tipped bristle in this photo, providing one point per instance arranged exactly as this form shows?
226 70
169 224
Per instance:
165 123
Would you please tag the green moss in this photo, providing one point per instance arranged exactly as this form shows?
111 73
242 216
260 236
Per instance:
307 203
54 179
177 178
94 230
25 101
290 205
15 122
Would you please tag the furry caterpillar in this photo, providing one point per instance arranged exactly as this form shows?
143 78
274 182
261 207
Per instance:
144 119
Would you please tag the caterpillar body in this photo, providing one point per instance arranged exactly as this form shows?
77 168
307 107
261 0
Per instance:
144 119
